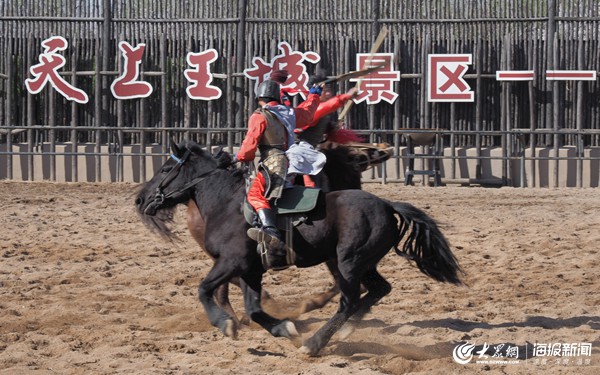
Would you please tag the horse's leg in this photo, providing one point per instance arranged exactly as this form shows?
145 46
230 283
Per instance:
217 277
197 227
222 298
377 288
223 301
350 295
251 287
322 299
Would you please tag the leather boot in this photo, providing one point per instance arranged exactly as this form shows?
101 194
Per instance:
276 252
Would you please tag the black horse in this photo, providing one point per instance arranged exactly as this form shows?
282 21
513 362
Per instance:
357 230
342 171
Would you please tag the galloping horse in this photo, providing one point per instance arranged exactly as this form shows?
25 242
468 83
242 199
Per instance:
342 171
356 230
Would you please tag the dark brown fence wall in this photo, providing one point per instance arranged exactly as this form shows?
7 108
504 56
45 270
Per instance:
501 34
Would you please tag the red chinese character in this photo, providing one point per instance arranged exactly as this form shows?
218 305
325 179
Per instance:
445 78
289 60
378 85
47 71
127 86
201 77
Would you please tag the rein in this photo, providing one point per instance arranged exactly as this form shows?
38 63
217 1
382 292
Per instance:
160 197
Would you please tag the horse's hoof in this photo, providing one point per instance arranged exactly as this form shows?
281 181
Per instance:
291 328
229 329
307 351
285 329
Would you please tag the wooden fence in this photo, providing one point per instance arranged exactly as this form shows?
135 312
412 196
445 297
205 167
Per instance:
534 35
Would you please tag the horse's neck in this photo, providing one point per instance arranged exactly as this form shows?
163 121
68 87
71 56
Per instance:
213 195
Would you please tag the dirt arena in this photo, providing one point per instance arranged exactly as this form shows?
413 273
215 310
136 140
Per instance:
85 288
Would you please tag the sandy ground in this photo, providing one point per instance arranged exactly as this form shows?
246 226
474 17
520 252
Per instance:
85 288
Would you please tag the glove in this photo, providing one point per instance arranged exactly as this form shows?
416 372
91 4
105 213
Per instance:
316 90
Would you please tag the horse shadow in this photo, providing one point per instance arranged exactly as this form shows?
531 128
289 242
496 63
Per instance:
358 350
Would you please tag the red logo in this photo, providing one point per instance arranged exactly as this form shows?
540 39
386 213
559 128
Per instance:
200 77
571 75
290 60
514 75
379 85
445 78
47 71
127 86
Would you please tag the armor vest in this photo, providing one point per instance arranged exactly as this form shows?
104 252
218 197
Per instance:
275 134
314 134
287 120
277 137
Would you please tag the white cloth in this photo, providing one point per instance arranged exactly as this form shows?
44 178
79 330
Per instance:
305 159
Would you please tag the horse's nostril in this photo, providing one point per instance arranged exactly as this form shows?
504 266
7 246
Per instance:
139 201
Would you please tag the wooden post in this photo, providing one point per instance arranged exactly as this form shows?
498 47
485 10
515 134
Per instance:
164 102
187 121
580 115
240 56
556 108
30 113
103 83
74 119
552 60
52 132
532 117
503 112
98 110
10 117
97 105
479 103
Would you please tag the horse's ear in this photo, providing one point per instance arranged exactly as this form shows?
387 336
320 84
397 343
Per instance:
223 159
218 152
174 148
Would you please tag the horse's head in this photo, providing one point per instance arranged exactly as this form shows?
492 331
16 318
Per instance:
172 184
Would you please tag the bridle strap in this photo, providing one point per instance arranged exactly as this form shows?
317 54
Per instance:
173 172
159 197
192 183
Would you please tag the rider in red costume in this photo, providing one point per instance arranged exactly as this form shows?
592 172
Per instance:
325 120
271 131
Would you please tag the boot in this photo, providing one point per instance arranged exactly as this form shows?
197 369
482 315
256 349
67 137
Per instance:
272 247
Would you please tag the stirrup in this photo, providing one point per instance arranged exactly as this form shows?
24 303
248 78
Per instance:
274 262
260 235
274 253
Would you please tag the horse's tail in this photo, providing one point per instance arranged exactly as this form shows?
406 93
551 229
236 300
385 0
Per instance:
426 244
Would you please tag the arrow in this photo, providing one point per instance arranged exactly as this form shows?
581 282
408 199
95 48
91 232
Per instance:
382 34
347 76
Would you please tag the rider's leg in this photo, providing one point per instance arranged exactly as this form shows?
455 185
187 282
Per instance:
308 181
268 233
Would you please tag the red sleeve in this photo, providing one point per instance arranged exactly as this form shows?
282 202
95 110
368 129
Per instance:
306 110
256 126
328 107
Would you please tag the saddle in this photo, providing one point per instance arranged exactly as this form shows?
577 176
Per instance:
297 205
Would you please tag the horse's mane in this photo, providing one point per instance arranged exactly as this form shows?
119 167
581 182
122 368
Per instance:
341 168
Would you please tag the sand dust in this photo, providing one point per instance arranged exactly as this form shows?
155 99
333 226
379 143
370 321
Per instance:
85 288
